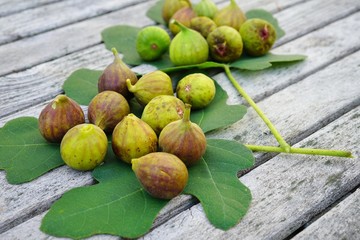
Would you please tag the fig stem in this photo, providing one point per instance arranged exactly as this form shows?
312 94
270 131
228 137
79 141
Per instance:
309 151
186 117
116 54
181 26
283 144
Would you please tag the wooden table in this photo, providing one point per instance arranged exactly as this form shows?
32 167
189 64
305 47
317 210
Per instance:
314 103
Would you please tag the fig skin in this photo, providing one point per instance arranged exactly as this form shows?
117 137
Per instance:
152 42
258 36
231 16
225 44
206 8
163 175
61 114
183 16
84 147
161 111
133 138
196 89
184 139
170 7
188 47
203 25
107 109
114 77
151 85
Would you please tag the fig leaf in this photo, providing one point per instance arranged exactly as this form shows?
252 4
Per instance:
154 12
24 153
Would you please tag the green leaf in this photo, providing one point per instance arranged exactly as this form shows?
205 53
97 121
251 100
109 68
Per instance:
24 153
155 12
263 14
81 85
117 205
123 38
218 114
260 63
214 182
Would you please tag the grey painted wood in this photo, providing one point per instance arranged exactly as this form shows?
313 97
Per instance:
287 190
341 222
8 7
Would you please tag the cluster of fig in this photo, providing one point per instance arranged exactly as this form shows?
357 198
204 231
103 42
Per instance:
160 145
203 32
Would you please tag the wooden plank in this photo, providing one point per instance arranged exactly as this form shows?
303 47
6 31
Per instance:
50 45
287 190
48 17
8 7
341 222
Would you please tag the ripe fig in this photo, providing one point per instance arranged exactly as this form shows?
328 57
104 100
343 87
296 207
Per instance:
188 47
203 25
152 42
161 111
61 114
107 109
183 16
133 138
151 85
84 147
225 44
171 6
162 175
206 8
114 77
231 16
184 139
258 36
196 89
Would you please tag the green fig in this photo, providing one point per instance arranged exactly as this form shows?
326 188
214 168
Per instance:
183 16
61 114
152 42
161 111
196 89
188 47
133 138
203 25
84 147
225 44
184 139
114 77
230 15
171 6
258 36
163 175
151 85
206 8
107 109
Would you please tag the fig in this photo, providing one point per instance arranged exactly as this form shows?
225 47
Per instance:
172 6
184 139
151 85
225 44
258 36
188 47
203 25
133 138
84 147
161 111
114 77
163 175
206 8
61 114
231 16
107 109
196 89
152 42
183 16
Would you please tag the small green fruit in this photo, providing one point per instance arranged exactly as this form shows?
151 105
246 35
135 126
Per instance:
163 175
84 147
203 25
206 8
152 42
196 89
258 36
230 15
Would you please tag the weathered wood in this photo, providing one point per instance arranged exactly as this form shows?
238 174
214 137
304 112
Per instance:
8 7
50 45
287 190
341 222
48 17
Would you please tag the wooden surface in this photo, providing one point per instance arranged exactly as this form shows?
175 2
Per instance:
314 103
